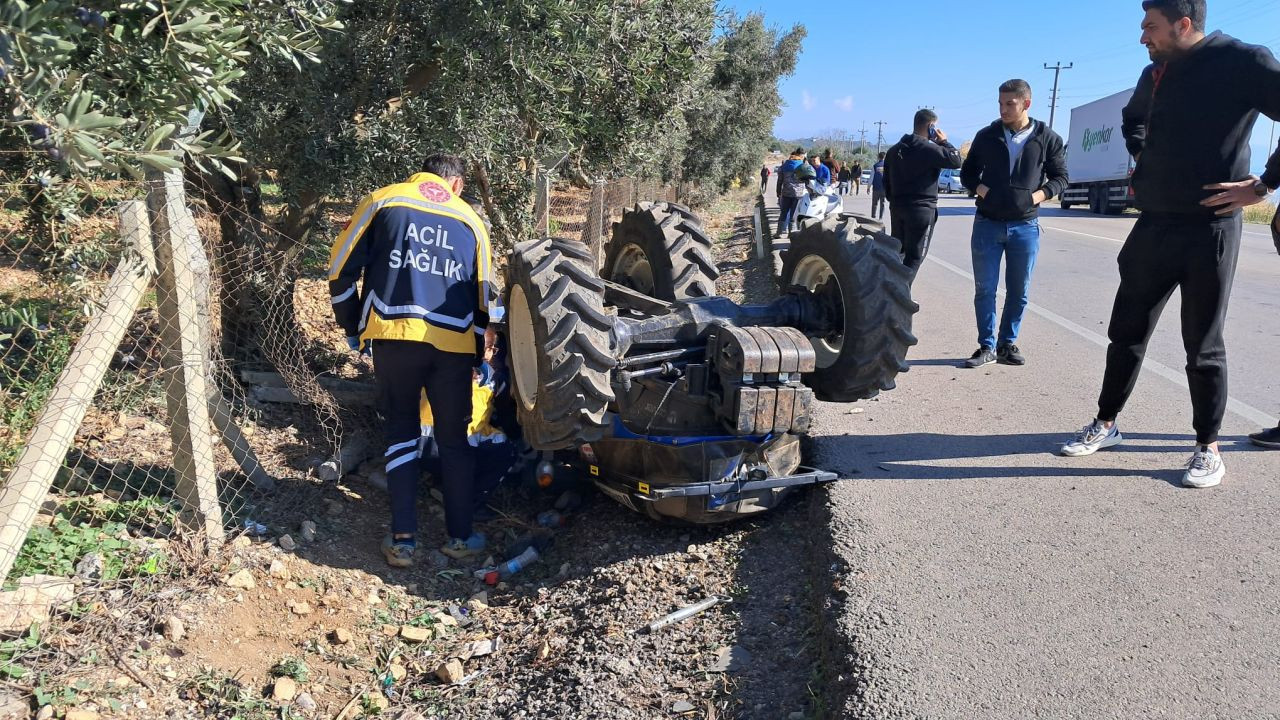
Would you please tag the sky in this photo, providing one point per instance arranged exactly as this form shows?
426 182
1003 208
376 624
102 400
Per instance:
865 62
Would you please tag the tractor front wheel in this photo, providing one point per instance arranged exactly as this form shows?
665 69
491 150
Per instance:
860 278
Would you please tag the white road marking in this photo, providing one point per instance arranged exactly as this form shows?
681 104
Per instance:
1077 232
1242 409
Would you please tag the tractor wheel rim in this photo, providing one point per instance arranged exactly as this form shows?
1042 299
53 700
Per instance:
524 349
811 273
633 269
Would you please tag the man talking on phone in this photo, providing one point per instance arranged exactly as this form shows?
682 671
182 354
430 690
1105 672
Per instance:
911 170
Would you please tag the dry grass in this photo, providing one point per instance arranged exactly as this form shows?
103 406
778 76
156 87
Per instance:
1262 213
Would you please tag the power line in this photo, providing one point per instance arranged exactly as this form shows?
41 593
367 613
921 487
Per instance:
879 134
1053 102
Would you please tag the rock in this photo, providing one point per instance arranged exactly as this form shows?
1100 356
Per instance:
241 542
32 601
305 703
411 715
729 659
374 598
15 707
284 690
438 560
173 629
301 608
340 636
544 651
333 507
90 566
46 713
287 544
278 569
307 531
81 715
415 634
328 471
683 706
444 619
398 672
242 580
450 671
482 647
378 702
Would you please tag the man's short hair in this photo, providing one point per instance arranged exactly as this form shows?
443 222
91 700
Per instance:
1175 10
1018 87
925 118
882 156
446 166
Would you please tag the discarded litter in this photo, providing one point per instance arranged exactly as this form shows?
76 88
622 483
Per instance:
256 529
687 612
511 567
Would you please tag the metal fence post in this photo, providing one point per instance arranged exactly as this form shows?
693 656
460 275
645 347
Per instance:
542 205
47 446
177 249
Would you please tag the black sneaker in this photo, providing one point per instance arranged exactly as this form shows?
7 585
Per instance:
981 356
1267 438
1010 355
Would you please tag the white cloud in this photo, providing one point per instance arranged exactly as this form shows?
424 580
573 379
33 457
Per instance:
845 103
807 100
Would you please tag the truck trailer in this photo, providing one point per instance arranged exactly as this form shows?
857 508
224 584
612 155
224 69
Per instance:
1098 162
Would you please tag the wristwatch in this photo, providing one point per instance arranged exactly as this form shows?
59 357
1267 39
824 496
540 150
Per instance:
1261 189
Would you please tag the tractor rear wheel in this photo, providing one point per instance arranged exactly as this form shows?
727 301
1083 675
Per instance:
558 335
861 279
661 250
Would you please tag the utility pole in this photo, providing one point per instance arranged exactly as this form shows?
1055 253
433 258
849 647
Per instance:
862 145
1057 69
879 134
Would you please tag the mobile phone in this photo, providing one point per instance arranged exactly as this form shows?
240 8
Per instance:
933 133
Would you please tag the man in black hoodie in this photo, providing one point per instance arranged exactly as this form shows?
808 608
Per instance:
1014 164
1188 126
911 170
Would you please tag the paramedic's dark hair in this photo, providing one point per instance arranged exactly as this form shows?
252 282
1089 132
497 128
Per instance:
446 166
925 118
1021 88
1175 10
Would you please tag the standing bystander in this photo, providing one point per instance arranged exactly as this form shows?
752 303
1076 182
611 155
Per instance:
1270 437
1188 126
793 177
1014 165
878 202
764 177
857 178
911 170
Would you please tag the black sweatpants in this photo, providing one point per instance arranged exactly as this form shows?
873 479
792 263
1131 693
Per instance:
403 369
878 204
1163 252
913 226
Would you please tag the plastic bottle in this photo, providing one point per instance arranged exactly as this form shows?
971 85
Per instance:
512 566
551 519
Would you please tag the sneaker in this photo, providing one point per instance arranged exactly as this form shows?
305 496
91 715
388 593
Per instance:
1205 469
460 549
1010 355
1266 438
398 552
981 356
1092 438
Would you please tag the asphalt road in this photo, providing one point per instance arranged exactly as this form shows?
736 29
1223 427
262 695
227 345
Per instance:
988 578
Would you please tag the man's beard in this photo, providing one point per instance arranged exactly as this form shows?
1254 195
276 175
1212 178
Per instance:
1167 54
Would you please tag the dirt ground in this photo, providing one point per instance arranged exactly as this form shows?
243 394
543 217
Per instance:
310 598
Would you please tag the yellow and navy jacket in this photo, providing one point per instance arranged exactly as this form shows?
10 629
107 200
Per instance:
425 260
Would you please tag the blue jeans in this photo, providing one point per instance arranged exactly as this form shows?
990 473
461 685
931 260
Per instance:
1018 242
786 213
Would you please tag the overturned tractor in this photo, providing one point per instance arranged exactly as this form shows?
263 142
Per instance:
682 404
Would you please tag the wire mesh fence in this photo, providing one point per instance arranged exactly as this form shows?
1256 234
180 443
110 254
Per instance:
170 375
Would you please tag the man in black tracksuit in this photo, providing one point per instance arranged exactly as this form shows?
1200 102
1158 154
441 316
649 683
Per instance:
911 170
1188 127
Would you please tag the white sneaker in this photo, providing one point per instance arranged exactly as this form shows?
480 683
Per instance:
1205 469
1092 438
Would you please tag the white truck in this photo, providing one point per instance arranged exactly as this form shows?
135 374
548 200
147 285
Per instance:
1098 163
